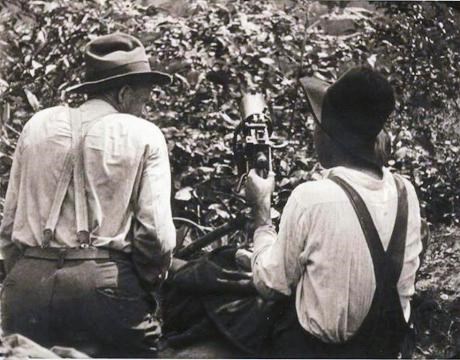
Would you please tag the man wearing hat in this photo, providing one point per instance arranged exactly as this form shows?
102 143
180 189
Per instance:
87 232
348 245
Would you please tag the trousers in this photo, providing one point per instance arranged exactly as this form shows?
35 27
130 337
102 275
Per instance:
291 341
97 306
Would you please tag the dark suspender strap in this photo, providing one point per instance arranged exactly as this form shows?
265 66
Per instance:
370 232
397 245
384 327
396 248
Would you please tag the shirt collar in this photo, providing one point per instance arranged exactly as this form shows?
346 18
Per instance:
96 108
358 177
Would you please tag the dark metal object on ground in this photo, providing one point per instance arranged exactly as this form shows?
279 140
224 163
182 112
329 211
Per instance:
232 225
212 298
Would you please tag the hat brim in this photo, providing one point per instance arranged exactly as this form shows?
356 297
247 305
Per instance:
153 77
316 93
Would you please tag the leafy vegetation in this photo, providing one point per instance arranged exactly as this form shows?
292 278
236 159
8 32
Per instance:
216 49
436 303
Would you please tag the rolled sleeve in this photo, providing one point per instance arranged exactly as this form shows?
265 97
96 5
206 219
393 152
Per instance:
406 287
275 263
154 232
8 249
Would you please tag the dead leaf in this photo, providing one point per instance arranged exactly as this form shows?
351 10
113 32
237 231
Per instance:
267 61
184 194
32 99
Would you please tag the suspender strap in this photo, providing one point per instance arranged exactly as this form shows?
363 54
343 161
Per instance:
73 168
63 185
81 207
397 246
384 328
370 232
387 265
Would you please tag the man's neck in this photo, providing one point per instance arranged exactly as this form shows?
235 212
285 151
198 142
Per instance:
110 100
374 172
358 165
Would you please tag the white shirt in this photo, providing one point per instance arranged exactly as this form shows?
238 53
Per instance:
127 178
320 252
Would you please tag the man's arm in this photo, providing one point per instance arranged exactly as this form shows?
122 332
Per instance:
406 283
275 263
9 252
154 232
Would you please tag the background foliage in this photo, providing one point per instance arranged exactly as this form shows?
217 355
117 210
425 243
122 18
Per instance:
215 49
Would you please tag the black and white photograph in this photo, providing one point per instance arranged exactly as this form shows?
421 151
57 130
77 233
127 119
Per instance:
217 179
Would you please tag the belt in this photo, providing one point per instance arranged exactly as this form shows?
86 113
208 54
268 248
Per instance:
62 254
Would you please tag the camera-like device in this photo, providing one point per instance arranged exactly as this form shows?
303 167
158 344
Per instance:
252 145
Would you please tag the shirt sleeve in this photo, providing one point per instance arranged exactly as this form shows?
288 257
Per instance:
7 247
154 232
276 263
406 283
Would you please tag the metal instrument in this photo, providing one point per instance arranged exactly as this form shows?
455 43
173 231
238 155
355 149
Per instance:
252 144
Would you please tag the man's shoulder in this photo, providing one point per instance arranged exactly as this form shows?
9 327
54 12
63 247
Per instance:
46 114
136 127
405 180
43 119
409 186
317 192
51 110
134 122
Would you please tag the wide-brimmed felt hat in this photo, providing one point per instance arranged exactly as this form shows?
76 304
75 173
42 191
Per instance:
114 58
352 110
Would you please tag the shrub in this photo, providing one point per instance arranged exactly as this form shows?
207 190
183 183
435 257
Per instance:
217 49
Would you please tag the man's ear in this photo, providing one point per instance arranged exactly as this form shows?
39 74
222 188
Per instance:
124 90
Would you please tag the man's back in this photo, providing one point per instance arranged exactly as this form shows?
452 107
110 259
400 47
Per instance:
333 275
100 171
126 173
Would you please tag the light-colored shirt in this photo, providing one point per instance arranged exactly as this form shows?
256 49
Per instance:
127 181
320 252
